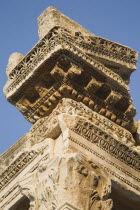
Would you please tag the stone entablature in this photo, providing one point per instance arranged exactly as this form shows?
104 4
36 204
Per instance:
63 85
86 136
82 153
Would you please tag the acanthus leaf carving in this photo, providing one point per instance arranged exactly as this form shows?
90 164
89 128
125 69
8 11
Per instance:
70 174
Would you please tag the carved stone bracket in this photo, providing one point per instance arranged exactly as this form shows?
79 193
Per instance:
73 64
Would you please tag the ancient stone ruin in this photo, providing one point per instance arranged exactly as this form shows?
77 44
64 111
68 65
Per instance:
82 153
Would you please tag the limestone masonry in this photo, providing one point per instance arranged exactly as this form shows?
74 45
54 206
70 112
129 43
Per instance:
83 151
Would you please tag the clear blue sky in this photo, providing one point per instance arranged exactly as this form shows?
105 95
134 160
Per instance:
117 20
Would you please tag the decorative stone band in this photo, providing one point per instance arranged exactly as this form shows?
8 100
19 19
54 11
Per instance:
112 164
9 201
64 89
106 142
8 193
48 48
106 49
16 167
90 128
48 127
10 152
72 107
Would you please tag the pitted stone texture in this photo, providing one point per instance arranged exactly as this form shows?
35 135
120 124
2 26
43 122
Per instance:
14 60
51 17
137 136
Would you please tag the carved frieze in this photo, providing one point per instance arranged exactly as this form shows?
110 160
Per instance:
16 167
72 107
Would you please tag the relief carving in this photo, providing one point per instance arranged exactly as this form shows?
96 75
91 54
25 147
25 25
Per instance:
69 175
74 86
75 69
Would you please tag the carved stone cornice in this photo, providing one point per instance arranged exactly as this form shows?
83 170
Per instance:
53 44
63 83
66 63
105 50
